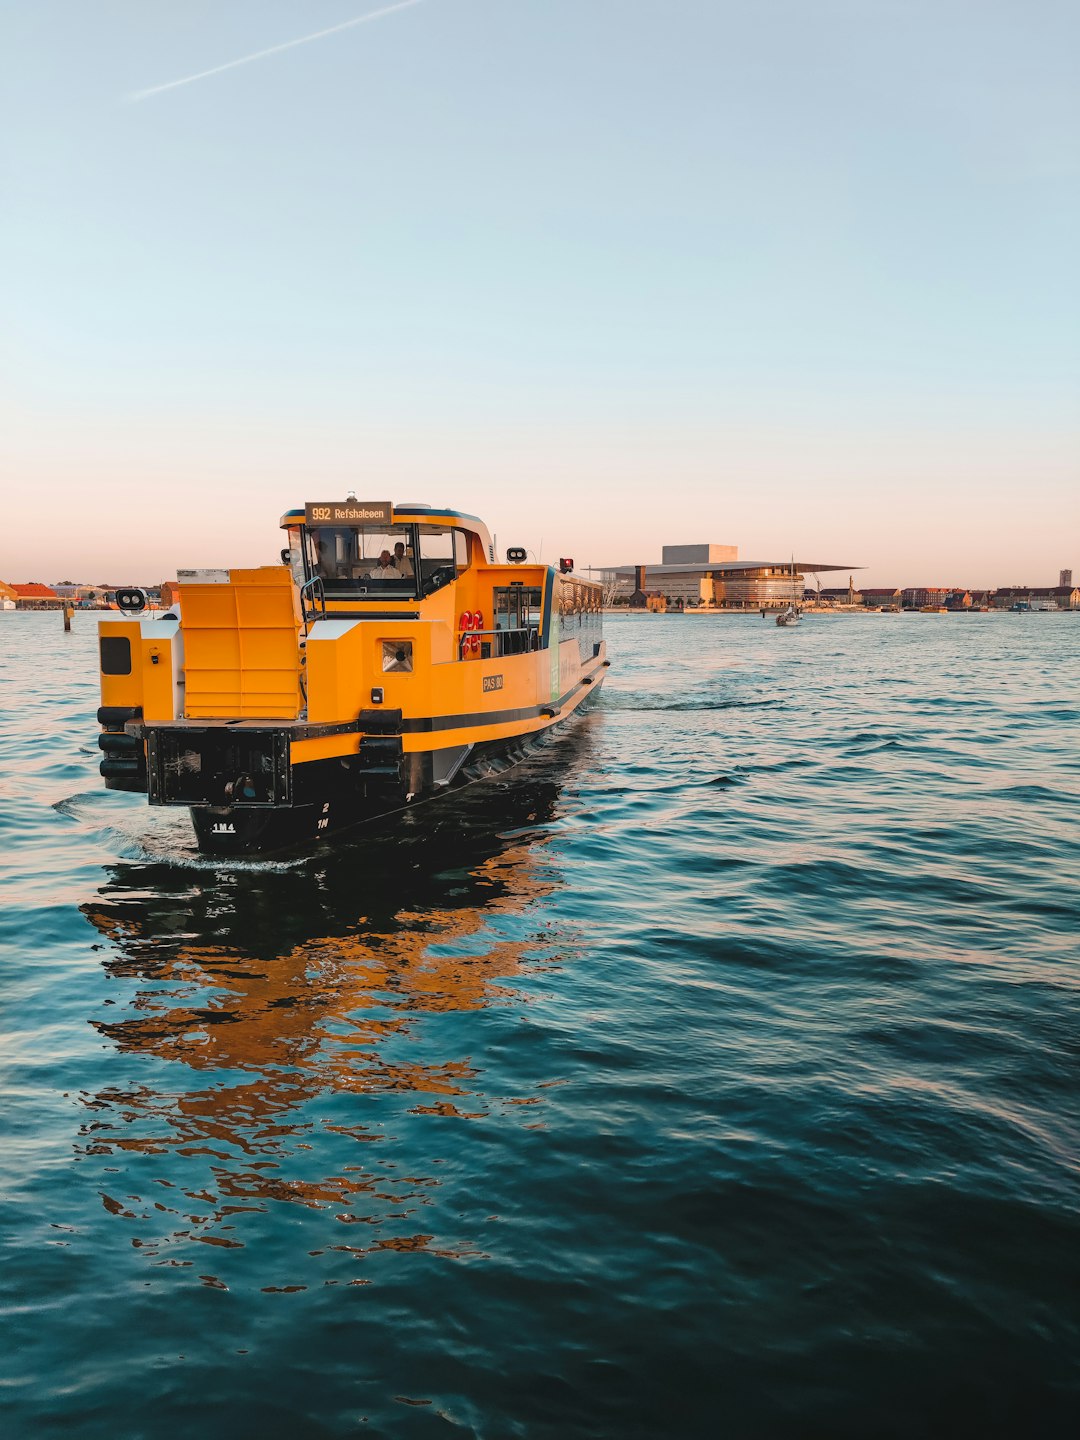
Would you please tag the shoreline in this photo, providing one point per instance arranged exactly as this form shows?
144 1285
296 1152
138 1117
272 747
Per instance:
810 610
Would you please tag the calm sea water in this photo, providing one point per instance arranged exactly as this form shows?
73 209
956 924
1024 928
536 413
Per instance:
718 1076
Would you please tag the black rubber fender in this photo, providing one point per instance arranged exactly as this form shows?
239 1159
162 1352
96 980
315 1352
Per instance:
115 742
113 768
118 714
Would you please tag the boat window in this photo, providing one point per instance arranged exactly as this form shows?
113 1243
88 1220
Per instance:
443 556
578 604
358 560
296 557
531 605
517 611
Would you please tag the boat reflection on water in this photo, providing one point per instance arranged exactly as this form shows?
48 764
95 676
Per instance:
287 1012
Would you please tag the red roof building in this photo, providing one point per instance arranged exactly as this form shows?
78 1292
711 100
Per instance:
35 596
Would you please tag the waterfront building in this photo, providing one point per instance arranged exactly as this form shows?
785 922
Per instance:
915 596
838 595
85 597
1056 597
35 596
1061 597
698 554
1065 579
749 587
1007 595
713 575
878 595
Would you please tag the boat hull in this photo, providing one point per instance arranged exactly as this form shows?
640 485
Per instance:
339 799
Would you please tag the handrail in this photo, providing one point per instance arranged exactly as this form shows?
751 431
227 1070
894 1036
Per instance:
314 583
500 651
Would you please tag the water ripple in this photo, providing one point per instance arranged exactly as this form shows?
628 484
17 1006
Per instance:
720 1072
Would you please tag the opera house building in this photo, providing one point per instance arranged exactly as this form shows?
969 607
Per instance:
714 575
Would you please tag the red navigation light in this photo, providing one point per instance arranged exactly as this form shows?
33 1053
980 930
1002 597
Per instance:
565 566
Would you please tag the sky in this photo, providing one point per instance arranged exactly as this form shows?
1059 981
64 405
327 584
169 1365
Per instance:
795 275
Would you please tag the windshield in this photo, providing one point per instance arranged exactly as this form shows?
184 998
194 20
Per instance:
353 560
444 554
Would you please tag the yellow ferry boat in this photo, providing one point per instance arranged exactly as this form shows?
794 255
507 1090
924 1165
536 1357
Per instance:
389 657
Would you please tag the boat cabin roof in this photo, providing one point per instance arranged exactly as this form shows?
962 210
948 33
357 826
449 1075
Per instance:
415 514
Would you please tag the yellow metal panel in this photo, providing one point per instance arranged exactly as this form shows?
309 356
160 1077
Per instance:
342 671
441 611
123 689
241 646
157 670
334 674
458 687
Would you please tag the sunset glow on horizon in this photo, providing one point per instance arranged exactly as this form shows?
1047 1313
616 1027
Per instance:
799 278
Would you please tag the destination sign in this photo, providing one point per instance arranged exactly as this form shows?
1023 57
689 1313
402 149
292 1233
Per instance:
348 512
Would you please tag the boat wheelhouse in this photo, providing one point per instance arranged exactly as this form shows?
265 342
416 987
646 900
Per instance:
389 657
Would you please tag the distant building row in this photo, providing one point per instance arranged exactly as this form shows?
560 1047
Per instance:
36 596
713 575
1050 597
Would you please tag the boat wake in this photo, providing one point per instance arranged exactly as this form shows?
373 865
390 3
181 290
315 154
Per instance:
137 834
646 704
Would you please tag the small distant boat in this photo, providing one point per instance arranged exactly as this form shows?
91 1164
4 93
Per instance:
790 614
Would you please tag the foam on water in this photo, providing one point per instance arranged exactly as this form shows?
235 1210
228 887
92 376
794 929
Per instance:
713 1072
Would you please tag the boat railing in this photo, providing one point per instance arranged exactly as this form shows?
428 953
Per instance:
318 599
495 644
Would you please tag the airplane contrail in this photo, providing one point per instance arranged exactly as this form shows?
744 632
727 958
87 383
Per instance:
276 49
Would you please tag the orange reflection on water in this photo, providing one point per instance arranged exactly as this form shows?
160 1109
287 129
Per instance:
321 1006
330 1013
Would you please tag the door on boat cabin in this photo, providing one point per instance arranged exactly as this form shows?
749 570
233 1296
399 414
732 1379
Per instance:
517 617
